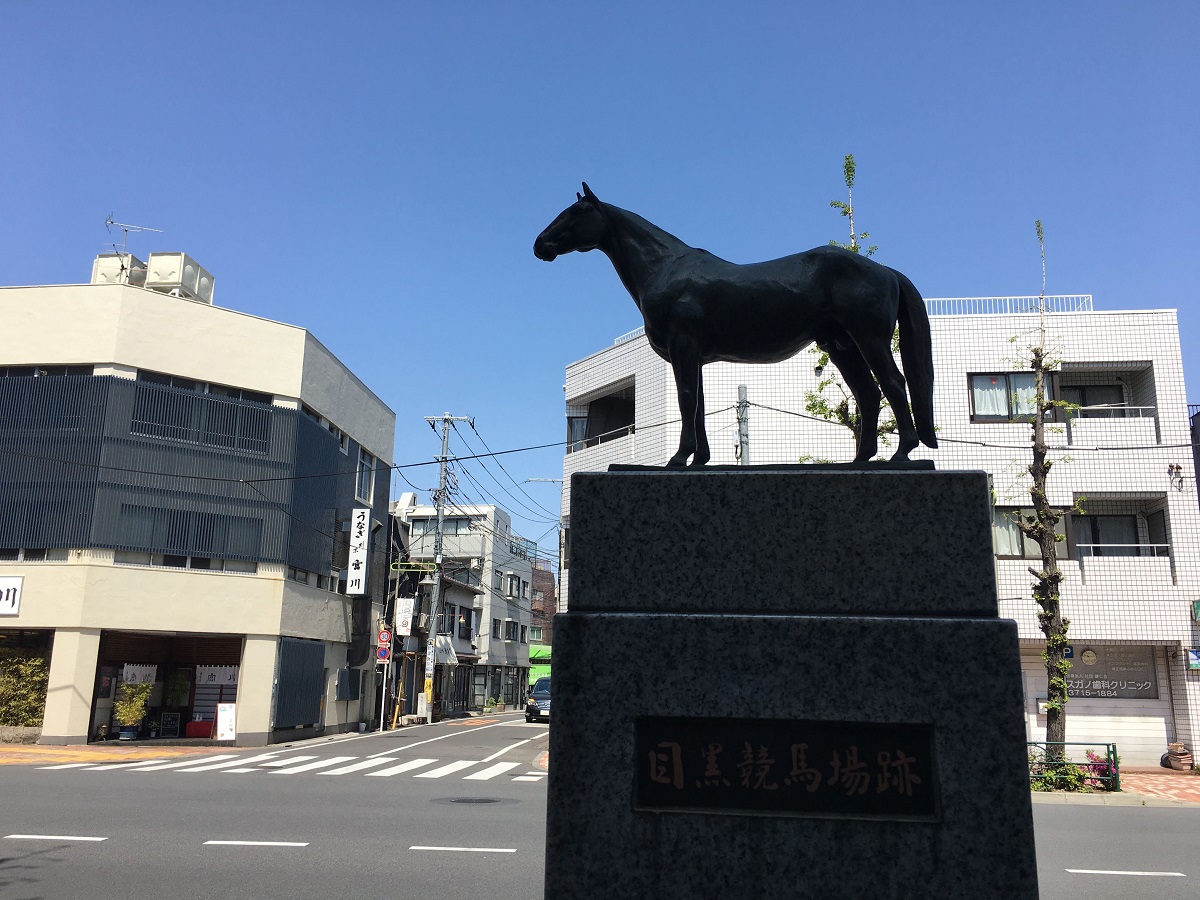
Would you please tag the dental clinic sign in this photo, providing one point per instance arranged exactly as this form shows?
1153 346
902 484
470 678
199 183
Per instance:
10 595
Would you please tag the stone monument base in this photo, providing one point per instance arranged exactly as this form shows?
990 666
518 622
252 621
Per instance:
778 753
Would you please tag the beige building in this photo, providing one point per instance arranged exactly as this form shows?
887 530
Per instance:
178 493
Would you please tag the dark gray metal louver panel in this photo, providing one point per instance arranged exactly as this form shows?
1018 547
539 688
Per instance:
301 682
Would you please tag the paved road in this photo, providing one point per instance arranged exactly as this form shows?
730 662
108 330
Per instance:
446 811
463 815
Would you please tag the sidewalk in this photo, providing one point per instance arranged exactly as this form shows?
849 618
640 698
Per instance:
1139 787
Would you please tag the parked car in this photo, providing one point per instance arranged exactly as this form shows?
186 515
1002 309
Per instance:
538 704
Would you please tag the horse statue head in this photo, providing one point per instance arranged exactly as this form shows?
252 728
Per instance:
581 226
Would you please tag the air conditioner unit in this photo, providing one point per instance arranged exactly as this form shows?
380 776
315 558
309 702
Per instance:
179 275
118 268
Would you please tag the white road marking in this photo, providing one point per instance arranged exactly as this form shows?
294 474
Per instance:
468 849
319 764
491 771
241 771
528 777
287 762
1121 872
187 762
105 767
66 766
447 769
359 766
442 737
403 767
514 746
52 837
236 761
260 843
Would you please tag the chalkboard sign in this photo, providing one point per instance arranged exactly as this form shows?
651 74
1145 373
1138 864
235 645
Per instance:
170 725
786 768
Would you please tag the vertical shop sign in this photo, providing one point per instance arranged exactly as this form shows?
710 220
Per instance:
226 721
404 612
356 574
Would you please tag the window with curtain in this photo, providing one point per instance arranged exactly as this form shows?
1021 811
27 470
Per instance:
1008 542
1003 396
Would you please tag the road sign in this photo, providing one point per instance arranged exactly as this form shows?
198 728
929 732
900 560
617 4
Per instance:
385 636
383 653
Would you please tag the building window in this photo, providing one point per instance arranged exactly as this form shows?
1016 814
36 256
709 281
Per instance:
510 630
1003 397
1009 543
603 419
1095 401
364 485
466 622
535 633
524 635
1117 535
497 580
446 623
32 554
496 628
201 563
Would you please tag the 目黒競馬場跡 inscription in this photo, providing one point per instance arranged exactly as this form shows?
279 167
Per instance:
782 767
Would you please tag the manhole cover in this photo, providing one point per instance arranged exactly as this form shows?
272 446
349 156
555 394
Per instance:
474 800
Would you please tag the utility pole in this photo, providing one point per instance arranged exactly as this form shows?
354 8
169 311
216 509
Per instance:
436 603
743 420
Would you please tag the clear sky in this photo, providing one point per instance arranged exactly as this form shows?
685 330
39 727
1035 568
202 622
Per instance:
377 172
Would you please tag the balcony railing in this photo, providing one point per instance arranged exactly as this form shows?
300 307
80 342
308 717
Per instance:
1113 411
999 306
1083 551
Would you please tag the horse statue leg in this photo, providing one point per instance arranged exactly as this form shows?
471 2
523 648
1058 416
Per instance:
878 355
685 365
857 375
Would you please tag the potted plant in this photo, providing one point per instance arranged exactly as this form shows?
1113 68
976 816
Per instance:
130 707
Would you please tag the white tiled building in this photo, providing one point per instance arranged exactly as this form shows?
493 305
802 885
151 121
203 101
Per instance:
1131 562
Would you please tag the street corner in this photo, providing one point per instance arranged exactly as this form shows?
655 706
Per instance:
49 755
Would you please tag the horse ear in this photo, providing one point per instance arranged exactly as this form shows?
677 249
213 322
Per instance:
587 192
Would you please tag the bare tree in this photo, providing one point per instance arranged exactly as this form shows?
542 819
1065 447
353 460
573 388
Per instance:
1041 528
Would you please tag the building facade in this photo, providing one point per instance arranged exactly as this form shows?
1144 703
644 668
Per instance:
179 482
1124 470
488 566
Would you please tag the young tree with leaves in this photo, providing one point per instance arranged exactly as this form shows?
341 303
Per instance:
1041 529
841 410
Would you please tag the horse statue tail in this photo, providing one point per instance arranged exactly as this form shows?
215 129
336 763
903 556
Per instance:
916 353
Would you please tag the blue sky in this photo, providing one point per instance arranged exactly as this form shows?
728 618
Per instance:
377 172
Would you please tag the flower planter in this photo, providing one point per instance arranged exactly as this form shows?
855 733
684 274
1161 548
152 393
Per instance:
129 733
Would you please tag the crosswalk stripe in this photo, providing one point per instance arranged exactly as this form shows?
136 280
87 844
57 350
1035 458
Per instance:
279 763
319 764
186 762
359 766
104 767
241 770
66 766
448 768
528 778
403 767
491 771
236 761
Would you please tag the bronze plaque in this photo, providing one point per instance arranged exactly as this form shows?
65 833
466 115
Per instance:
780 767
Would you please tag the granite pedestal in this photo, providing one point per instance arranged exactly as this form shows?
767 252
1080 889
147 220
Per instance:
786 684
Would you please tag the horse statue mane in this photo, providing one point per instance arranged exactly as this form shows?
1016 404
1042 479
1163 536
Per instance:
699 308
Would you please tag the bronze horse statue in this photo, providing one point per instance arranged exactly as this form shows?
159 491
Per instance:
699 309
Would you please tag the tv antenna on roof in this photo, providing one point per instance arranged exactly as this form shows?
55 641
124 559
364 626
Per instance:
125 229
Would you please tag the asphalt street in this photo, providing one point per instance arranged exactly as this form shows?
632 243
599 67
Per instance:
437 812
